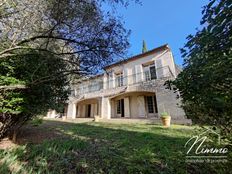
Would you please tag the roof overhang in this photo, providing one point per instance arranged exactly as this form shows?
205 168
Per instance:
155 50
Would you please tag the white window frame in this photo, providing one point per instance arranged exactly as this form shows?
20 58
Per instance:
119 80
147 75
147 72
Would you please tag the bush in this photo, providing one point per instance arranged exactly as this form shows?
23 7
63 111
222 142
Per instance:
36 121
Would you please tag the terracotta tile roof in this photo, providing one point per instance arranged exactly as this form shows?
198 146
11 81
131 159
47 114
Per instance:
139 56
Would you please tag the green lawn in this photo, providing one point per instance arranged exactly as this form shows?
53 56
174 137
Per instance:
58 147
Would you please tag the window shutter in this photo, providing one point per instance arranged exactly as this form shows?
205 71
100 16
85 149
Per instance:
153 72
138 73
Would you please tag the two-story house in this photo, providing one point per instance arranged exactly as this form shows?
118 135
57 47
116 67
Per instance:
132 88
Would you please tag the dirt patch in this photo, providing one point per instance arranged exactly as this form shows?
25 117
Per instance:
6 144
48 130
38 134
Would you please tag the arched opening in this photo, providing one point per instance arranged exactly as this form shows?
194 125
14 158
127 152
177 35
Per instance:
88 108
134 105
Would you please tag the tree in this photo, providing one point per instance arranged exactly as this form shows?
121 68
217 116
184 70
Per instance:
144 49
64 27
205 82
30 99
43 43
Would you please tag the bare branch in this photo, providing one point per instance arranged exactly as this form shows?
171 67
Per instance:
13 87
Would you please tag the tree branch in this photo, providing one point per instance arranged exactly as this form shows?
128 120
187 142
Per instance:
52 37
13 87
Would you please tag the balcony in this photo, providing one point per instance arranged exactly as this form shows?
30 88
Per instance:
137 81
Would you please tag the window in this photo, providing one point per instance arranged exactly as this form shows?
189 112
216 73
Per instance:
147 75
156 106
118 106
153 72
150 72
119 80
150 104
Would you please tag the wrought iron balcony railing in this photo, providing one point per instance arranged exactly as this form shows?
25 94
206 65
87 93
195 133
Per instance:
119 81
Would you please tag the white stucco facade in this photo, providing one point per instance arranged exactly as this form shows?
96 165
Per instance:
133 88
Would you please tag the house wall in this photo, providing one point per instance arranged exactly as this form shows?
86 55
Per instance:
162 59
71 110
79 109
137 105
167 102
105 108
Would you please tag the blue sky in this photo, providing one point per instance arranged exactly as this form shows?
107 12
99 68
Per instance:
162 21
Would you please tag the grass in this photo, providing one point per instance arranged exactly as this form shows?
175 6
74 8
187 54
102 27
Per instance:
57 147
36 121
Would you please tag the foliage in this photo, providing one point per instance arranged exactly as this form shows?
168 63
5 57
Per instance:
46 43
205 82
144 47
164 114
76 30
38 94
36 121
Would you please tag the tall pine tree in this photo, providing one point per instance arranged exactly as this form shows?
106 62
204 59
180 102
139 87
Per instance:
144 49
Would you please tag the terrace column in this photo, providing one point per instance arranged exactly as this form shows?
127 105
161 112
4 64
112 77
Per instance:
92 110
141 106
106 108
71 110
95 110
127 106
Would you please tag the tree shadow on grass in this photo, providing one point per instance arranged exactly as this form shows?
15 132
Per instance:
59 147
